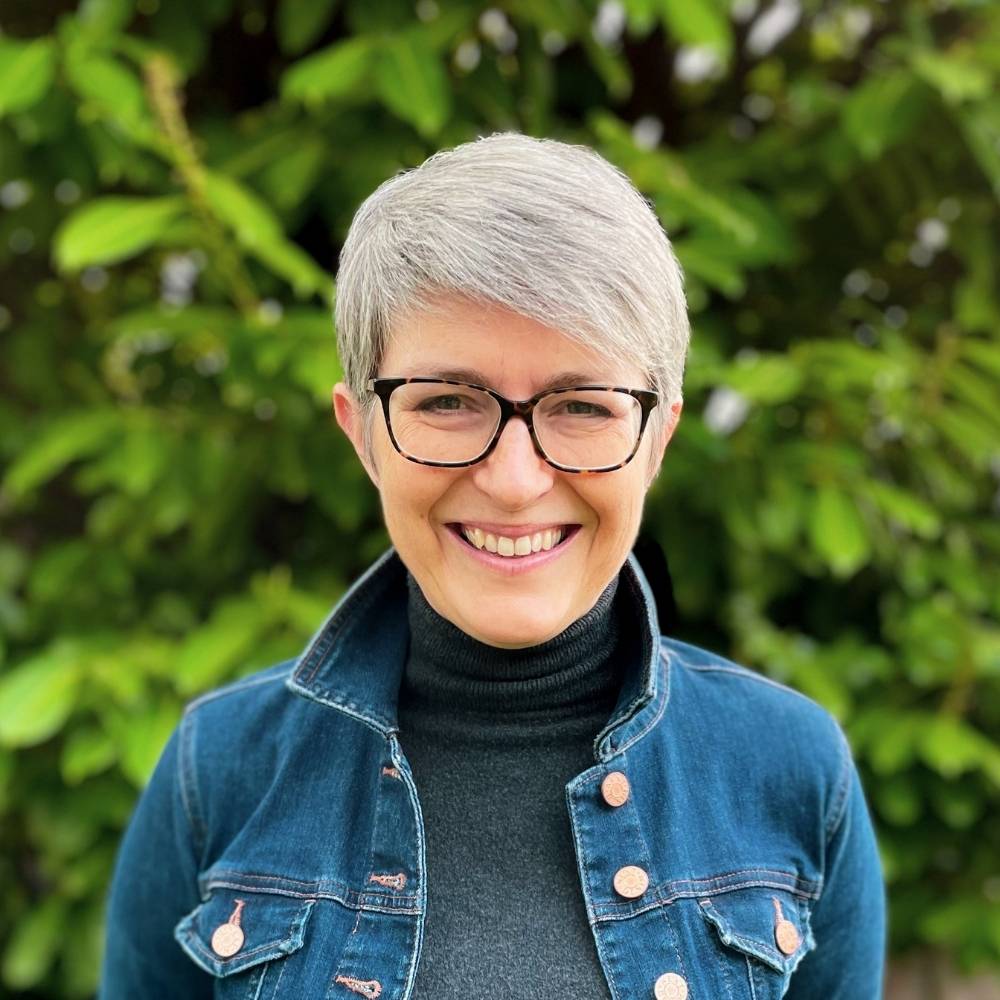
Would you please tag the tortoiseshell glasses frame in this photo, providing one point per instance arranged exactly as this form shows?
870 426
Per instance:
524 408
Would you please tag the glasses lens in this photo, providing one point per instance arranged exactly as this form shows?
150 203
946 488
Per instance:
438 422
588 428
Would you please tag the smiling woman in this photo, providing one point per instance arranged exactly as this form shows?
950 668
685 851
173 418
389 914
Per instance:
506 482
489 773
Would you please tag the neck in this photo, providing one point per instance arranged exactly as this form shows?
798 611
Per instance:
572 673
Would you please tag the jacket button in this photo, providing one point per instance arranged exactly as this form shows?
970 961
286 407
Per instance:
631 881
227 938
670 986
615 789
787 936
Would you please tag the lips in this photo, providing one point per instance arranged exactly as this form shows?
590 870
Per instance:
509 545
513 542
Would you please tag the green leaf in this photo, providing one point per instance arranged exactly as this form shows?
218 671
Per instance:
899 801
242 210
110 87
26 72
33 945
765 379
412 82
967 433
141 738
697 256
904 508
301 22
330 73
957 77
112 229
316 367
259 231
87 752
101 18
979 392
958 807
984 353
980 124
698 22
37 696
837 531
297 267
891 739
215 650
951 747
288 180
882 111
65 439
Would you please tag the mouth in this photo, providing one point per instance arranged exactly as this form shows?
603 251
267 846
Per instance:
516 543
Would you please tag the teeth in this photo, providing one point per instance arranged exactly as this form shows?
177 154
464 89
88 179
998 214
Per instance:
522 546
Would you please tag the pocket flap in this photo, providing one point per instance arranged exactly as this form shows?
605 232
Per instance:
269 926
770 924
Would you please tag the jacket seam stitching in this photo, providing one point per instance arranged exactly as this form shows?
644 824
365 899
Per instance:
233 688
749 675
839 805
188 784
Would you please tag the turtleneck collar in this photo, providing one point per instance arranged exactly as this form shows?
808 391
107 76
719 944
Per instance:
575 673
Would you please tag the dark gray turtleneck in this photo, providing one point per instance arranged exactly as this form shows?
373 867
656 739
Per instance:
493 736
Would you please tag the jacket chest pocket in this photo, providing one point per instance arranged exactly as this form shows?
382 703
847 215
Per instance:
760 936
244 939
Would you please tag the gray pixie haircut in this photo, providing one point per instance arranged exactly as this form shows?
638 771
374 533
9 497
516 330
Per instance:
550 230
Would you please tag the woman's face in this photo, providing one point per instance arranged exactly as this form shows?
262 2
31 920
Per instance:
517 600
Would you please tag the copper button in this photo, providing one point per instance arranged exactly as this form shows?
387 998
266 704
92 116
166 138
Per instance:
615 789
785 932
670 986
228 937
787 936
631 881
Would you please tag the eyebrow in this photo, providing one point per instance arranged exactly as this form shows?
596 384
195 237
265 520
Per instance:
557 381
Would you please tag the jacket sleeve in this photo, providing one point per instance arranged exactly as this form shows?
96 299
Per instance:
849 919
155 884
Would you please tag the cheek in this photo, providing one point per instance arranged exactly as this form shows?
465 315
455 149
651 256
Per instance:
619 503
409 493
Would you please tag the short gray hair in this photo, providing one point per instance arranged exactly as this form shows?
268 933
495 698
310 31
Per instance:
550 230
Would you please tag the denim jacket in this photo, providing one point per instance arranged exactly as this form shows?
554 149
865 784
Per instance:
278 850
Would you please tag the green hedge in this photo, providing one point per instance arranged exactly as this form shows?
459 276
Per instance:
177 506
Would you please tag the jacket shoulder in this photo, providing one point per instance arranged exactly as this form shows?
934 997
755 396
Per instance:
260 691
715 676
756 722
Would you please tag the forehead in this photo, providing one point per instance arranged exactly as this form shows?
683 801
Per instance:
490 344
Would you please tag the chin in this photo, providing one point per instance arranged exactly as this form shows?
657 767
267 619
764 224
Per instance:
508 629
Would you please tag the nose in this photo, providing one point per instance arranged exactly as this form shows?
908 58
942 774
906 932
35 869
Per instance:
514 475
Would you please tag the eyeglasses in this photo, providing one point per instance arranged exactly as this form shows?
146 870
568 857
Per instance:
583 428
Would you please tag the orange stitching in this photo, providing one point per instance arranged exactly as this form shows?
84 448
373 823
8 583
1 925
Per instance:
392 881
391 772
366 987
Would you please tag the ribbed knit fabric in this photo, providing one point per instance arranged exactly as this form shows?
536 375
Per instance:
493 736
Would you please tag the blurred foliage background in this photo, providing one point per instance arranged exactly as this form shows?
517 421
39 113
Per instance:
177 506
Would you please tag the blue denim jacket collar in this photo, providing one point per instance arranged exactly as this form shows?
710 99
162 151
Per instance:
354 661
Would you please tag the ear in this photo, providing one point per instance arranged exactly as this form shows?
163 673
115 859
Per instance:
350 416
660 444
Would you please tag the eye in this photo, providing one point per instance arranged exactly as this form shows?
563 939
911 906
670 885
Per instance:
435 404
583 408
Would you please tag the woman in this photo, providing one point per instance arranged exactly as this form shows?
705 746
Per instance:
488 774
